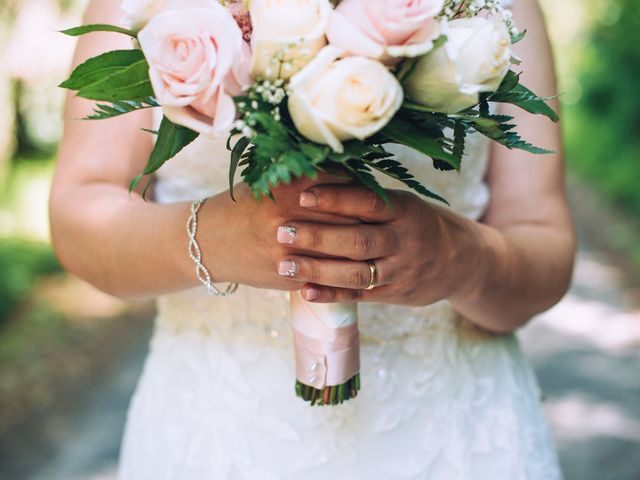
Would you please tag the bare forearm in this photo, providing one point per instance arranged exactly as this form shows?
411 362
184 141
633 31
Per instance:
513 274
527 242
120 243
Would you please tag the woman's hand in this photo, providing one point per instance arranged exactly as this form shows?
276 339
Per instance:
238 237
421 251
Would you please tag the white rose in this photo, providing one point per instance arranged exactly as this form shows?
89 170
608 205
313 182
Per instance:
286 35
332 99
475 59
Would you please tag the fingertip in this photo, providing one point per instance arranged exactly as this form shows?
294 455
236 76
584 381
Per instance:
310 293
308 199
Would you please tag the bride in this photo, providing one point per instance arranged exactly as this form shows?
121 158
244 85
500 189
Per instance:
446 393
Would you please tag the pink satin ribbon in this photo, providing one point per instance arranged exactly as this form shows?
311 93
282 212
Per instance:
325 356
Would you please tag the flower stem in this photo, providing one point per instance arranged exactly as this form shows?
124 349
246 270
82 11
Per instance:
330 395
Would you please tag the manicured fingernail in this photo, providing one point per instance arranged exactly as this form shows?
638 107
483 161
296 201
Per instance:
308 199
287 268
286 234
311 293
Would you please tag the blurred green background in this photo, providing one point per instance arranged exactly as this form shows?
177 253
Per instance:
55 331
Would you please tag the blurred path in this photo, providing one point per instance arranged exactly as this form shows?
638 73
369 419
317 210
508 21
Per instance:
78 439
585 350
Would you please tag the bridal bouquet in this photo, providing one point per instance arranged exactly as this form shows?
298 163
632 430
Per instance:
299 86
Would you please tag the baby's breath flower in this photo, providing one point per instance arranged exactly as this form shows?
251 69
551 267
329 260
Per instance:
470 8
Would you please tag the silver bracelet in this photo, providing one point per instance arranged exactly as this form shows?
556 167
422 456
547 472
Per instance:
196 255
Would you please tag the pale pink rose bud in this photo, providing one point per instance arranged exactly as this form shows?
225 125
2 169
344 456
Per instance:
475 59
385 30
197 62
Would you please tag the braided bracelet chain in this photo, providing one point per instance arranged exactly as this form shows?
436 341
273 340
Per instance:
196 255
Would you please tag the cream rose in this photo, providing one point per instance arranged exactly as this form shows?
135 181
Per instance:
197 62
333 99
475 59
286 35
385 29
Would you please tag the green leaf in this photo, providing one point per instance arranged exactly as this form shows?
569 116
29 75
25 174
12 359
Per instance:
532 103
394 169
104 111
513 92
353 150
112 77
103 66
171 139
483 107
509 82
98 27
459 137
129 83
362 174
314 152
518 36
236 155
497 128
408 133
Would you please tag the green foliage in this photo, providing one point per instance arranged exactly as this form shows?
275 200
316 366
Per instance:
103 111
499 129
405 132
603 129
171 139
112 77
518 36
99 27
21 263
459 136
275 153
393 168
236 156
513 92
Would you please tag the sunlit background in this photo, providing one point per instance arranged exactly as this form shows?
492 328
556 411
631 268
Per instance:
69 355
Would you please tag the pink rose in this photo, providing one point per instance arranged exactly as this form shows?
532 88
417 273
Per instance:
385 29
197 62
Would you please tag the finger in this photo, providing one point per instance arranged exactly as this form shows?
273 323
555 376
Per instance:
350 201
322 294
330 272
356 242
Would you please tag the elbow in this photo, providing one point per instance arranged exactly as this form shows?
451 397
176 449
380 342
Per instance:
67 257
70 257
562 275
550 297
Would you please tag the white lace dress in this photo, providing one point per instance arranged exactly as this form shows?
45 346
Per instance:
440 399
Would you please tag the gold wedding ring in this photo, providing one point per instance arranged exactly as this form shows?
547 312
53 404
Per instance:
374 275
